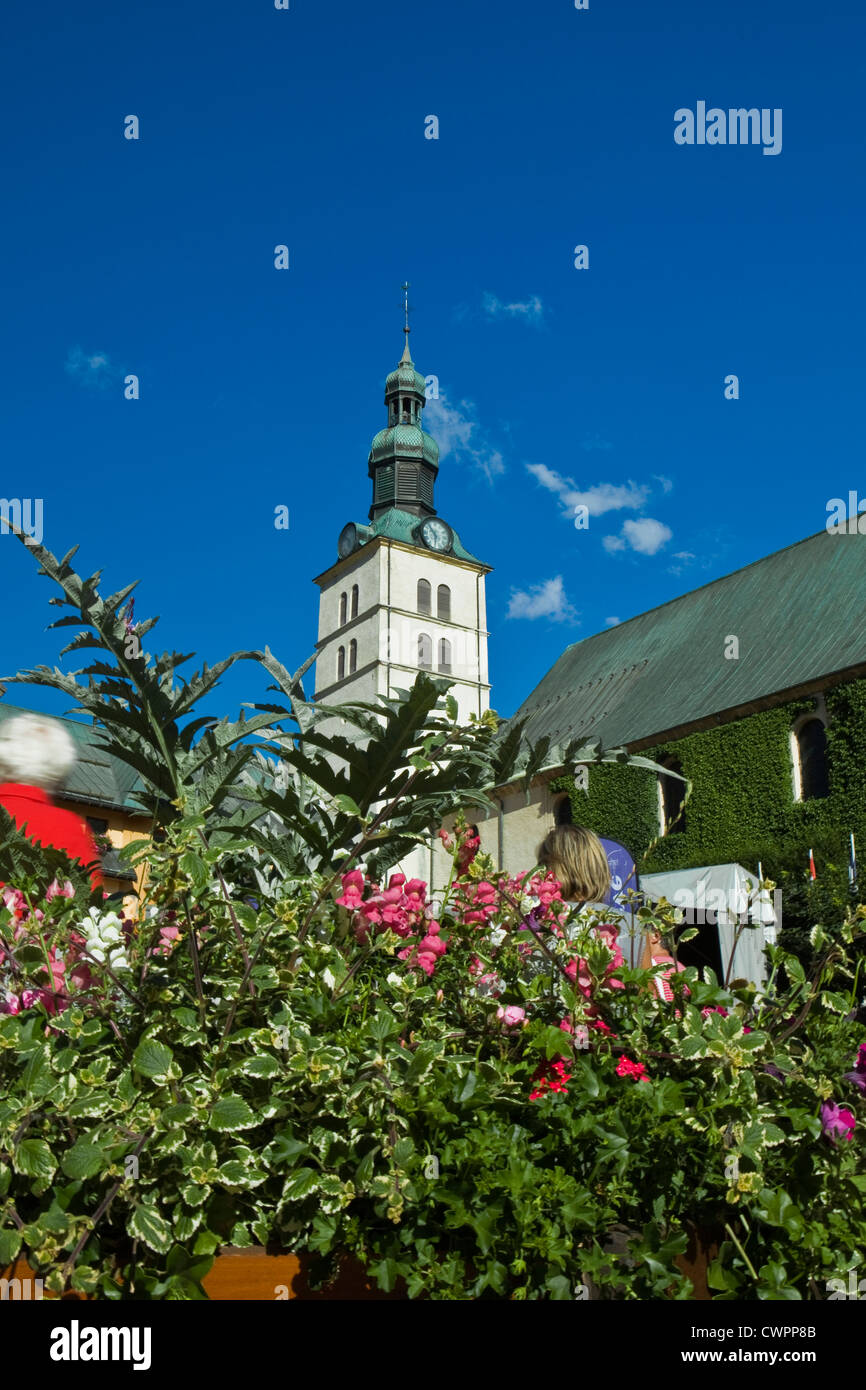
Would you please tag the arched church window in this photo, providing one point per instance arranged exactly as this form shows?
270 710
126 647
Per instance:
672 795
341 663
354 600
425 652
343 605
811 761
424 595
445 656
353 656
443 603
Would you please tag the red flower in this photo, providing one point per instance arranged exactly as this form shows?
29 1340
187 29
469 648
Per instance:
550 1076
637 1070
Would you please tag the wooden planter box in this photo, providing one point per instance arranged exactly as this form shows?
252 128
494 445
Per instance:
252 1275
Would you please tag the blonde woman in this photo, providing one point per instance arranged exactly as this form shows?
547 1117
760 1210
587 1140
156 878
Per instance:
576 857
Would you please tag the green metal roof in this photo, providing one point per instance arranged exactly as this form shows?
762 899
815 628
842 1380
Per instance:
405 378
798 615
398 525
405 442
97 777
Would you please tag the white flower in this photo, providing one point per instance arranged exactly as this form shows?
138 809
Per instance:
104 939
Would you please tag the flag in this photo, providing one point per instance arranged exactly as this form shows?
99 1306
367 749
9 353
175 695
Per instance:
852 863
812 865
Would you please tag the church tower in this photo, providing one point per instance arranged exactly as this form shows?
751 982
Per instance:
404 594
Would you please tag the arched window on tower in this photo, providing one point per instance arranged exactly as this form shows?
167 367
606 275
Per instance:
341 663
445 656
353 656
443 603
354 600
424 596
809 749
343 607
672 794
425 652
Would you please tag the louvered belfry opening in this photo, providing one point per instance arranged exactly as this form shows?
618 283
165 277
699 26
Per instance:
404 459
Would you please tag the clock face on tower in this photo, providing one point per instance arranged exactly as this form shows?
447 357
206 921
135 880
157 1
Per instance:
436 534
348 540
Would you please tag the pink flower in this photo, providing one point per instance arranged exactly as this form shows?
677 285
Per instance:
59 890
31 997
858 1075
835 1120
447 842
353 890
511 1015
432 943
469 846
10 1005
168 938
14 899
416 895
625 1067
58 969
602 1027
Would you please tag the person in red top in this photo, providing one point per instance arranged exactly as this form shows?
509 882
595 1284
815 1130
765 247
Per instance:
36 755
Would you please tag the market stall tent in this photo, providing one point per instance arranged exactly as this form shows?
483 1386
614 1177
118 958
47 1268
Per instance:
726 898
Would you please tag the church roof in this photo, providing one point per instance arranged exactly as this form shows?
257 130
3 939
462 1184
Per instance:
798 617
398 525
98 777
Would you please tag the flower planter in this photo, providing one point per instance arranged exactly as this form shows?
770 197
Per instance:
237 1275
254 1275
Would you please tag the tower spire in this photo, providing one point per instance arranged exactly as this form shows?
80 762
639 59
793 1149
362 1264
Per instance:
407 356
404 459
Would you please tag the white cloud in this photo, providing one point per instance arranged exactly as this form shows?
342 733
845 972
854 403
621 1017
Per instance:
598 499
546 600
530 310
458 433
685 557
644 535
612 622
667 483
90 369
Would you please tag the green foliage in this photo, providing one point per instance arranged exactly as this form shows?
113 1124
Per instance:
298 1073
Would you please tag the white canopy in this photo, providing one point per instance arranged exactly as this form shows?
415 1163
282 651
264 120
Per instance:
731 894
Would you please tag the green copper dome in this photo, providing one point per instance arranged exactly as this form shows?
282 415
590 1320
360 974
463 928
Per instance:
404 441
405 378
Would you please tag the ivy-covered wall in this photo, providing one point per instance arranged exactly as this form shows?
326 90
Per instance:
742 805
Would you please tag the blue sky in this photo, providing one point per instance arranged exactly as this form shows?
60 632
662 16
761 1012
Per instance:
261 387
